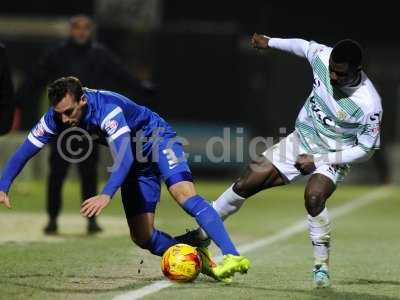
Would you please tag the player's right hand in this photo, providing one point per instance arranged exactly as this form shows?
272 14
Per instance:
4 199
259 41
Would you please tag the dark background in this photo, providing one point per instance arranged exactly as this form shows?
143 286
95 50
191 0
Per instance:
199 56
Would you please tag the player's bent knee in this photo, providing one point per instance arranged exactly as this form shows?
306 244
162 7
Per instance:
259 175
314 203
141 243
248 185
141 229
141 240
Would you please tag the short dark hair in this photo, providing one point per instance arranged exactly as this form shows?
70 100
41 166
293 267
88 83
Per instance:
74 18
348 51
59 88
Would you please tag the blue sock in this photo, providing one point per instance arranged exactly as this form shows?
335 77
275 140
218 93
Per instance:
160 242
210 221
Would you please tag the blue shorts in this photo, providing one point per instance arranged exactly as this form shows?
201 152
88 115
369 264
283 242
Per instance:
142 187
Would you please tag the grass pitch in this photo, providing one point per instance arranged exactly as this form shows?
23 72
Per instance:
365 260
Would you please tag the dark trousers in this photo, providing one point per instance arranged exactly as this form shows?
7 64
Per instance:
58 171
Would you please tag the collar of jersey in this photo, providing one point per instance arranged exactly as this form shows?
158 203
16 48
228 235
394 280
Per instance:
89 108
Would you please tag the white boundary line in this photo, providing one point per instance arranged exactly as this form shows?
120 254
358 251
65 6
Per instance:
266 241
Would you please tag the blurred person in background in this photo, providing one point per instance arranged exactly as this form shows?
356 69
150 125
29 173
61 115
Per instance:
6 93
81 56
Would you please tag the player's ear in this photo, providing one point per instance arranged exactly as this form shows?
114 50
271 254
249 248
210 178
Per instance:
357 71
83 99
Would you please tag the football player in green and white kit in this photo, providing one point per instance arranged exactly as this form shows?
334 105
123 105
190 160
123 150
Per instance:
338 125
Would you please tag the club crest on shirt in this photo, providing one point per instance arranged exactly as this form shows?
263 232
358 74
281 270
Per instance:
39 130
342 115
111 126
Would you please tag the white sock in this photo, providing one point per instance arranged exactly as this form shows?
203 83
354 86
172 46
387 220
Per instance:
227 204
319 229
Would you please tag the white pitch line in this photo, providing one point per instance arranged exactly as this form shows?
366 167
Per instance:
279 236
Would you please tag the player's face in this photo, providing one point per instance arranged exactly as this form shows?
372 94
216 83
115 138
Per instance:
341 75
71 111
81 30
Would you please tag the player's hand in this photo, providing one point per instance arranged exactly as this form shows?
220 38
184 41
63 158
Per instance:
4 199
259 41
305 164
95 205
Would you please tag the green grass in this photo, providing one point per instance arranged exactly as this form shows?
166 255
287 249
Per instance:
365 260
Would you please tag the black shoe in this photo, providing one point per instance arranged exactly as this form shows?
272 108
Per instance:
51 228
192 238
93 227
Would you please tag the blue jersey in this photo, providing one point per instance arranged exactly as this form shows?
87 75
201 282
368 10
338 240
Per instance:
108 115
118 120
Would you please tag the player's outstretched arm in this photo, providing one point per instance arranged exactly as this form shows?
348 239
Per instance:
119 139
307 163
43 132
123 161
356 154
13 167
297 47
368 140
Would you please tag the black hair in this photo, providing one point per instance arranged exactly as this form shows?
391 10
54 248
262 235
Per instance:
348 51
59 88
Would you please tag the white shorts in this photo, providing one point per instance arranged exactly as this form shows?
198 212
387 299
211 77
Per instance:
283 156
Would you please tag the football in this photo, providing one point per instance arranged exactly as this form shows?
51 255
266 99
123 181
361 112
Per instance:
181 263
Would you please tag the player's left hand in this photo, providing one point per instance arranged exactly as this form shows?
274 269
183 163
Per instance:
4 199
259 41
95 205
305 164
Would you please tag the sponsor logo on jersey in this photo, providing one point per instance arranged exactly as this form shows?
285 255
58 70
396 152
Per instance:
317 83
111 126
39 130
322 117
374 117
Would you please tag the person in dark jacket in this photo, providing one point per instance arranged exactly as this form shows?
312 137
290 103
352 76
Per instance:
97 67
6 93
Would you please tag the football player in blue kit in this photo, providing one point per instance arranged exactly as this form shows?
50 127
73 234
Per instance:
132 132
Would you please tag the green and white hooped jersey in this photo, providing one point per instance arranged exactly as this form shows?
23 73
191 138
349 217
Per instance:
335 119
